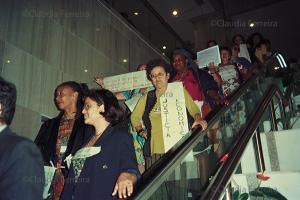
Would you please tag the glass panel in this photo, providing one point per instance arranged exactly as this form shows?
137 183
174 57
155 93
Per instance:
191 176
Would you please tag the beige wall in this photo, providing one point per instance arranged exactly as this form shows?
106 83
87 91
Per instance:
43 43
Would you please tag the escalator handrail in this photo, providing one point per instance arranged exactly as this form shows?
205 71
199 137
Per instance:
222 178
157 173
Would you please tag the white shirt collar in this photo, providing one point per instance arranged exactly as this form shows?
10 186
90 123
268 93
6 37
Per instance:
2 127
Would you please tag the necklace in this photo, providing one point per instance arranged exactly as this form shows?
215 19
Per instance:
94 139
70 117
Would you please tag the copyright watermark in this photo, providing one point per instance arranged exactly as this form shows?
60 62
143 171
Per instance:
221 23
54 14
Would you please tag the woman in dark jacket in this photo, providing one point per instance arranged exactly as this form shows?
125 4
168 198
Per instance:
106 164
64 134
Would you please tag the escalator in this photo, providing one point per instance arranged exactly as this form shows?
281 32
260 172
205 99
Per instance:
200 166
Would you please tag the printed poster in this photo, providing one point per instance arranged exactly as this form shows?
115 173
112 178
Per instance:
128 81
209 55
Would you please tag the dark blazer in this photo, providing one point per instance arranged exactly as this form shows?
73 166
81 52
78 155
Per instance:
207 83
100 172
21 168
47 138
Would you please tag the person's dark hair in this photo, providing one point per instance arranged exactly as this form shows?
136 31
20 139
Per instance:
268 43
262 42
211 41
80 88
154 63
113 112
251 38
238 35
225 49
8 97
139 66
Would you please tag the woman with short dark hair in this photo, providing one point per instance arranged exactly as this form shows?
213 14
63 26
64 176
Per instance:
148 112
106 165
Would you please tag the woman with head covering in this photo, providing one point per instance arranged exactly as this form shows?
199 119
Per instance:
201 86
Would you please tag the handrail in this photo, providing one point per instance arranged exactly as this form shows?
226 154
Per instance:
222 177
162 168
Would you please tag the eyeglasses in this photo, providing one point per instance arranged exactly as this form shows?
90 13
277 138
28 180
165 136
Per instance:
86 107
157 76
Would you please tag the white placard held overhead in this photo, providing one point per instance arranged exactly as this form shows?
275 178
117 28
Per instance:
209 55
244 52
173 115
128 81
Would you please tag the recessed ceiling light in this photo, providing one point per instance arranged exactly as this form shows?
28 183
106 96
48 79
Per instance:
85 70
8 61
164 47
163 53
175 13
136 13
251 24
124 60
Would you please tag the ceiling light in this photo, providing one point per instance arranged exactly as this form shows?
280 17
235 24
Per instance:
164 47
97 29
124 60
136 13
85 70
175 13
251 24
8 61
163 53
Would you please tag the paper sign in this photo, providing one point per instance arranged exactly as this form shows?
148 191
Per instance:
209 55
131 103
244 52
173 115
49 173
128 81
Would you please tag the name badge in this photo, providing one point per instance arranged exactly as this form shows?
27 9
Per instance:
63 149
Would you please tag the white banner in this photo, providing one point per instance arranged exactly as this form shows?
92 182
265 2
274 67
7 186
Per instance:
173 115
128 81
209 55
244 52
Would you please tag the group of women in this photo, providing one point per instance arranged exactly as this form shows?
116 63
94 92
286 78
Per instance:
107 163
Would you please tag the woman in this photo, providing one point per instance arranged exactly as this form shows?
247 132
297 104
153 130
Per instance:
106 165
230 82
238 39
243 65
148 112
64 134
230 77
132 95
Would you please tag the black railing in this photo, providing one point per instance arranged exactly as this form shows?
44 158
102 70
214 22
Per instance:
221 179
152 178
159 172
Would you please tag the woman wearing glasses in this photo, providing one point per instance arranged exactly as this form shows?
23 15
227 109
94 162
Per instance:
106 166
146 117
